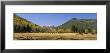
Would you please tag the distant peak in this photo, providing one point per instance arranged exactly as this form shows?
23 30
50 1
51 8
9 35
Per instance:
74 19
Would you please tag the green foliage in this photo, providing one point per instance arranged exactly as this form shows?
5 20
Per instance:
72 26
68 31
60 30
81 25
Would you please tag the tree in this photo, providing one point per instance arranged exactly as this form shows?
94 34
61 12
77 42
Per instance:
81 30
74 28
44 29
18 29
93 31
60 30
67 30
38 29
15 28
24 29
89 30
86 31
29 28
53 31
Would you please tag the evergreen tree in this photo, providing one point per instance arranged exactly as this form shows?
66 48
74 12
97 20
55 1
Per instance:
29 28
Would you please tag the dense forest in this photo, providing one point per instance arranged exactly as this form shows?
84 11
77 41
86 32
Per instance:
73 25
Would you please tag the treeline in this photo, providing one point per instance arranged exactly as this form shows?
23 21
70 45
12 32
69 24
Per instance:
73 29
23 26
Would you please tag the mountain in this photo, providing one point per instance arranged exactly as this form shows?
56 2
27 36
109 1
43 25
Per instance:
80 24
21 24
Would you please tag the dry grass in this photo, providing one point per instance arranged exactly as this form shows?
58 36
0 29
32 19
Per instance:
54 36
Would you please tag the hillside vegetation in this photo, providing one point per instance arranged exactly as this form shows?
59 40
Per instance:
74 25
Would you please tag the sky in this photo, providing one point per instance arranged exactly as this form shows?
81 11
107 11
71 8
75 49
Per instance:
56 19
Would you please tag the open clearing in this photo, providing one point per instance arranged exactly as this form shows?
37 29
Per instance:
54 36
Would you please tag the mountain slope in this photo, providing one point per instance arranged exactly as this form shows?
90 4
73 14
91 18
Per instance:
21 24
80 24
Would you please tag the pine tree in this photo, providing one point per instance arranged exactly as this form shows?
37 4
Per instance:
28 28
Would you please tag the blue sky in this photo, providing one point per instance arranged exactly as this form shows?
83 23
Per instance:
49 19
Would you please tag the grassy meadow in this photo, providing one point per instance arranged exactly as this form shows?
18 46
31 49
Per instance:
54 36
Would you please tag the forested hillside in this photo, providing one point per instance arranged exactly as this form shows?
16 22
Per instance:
81 25
72 26
22 25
